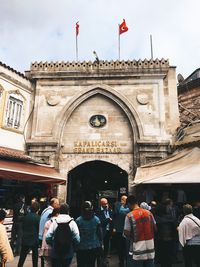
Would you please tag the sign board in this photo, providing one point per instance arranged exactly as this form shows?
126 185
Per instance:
108 194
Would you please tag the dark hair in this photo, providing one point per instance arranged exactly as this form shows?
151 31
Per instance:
64 208
54 212
160 210
131 200
2 215
87 206
187 209
35 207
167 201
87 210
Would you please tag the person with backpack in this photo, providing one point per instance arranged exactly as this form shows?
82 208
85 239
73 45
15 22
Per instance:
90 236
54 203
64 236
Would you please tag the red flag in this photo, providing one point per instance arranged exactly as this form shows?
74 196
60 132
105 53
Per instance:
123 27
77 28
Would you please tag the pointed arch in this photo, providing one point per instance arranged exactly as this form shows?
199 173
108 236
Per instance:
106 91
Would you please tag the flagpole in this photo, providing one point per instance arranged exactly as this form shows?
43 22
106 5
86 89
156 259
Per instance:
76 47
151 43
119 42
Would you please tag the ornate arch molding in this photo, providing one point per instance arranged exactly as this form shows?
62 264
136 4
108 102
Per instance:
106 91
17 93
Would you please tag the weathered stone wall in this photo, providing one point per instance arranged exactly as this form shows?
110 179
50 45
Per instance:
137 98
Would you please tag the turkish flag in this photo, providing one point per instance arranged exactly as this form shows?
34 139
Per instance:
123 27
77 28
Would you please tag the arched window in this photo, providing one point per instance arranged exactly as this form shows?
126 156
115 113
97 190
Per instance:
14 110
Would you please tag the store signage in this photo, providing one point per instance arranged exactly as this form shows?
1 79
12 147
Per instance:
100 146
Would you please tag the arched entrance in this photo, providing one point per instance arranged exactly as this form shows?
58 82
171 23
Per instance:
93 180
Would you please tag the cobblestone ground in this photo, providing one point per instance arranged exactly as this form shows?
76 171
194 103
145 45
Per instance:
113 262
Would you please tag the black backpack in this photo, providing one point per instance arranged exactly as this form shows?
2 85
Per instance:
62 239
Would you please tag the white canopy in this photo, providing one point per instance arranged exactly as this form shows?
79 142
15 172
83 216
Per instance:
181 167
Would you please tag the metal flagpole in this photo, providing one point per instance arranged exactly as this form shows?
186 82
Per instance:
119 42
76 47
151 46
77 33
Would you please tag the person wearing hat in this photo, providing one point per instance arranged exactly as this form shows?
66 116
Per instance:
145 206
90 236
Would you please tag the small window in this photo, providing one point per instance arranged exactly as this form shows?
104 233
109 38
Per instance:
1 92
14 112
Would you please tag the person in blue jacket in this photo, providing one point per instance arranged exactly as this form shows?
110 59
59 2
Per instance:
90 236
120 211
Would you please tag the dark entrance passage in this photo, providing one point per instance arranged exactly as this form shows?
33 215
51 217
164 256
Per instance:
93 180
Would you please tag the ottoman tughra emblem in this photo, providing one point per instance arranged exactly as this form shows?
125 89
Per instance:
98 121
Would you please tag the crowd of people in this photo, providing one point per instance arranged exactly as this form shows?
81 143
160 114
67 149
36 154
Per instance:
143 233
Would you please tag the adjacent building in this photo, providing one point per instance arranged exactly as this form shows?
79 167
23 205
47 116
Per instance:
17 169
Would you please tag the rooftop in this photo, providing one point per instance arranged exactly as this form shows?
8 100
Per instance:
100 65
13 70
13 154
192 81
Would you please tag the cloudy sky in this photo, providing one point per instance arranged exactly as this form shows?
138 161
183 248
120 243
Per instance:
44 30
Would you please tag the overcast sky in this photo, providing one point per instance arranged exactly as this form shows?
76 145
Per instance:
44 30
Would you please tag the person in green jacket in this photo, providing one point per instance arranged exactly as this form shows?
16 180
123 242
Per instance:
30 235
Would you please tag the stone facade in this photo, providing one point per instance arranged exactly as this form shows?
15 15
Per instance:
136 100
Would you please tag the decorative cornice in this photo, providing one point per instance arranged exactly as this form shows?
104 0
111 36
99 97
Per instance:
90 67
16 82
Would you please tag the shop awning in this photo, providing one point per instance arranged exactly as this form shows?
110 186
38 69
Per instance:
29 172
181 167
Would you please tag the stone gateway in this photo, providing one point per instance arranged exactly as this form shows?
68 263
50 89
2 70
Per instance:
97 121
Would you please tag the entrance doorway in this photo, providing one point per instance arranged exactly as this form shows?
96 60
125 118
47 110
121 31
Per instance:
93 180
